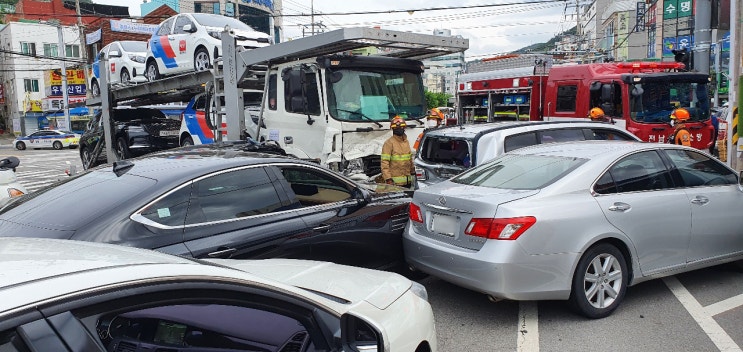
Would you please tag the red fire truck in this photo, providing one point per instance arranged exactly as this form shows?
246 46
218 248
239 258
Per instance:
638 96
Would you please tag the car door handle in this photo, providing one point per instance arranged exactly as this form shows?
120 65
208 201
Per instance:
620 207
322 228
222 253
701 200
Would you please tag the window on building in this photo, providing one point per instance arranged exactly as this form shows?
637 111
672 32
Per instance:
30 85
28 48
216 8
197 7
50 50
72 50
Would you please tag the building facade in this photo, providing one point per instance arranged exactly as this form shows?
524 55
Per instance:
441 72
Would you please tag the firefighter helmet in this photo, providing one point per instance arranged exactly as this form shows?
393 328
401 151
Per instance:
398 122
680 115
596 113
435 113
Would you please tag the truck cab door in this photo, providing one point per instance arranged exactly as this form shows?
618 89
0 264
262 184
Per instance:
299 122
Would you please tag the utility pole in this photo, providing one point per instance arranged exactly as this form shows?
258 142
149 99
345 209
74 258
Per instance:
702 34
65 98
735 83
83 42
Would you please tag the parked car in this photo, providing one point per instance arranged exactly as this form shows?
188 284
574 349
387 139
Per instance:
56 139
197 129
219 201
125 64
9 185
77 296
447 151
577 221
190 41
137 131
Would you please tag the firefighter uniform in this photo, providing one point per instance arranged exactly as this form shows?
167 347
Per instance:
680 135
397 157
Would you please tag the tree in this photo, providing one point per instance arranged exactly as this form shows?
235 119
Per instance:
434 100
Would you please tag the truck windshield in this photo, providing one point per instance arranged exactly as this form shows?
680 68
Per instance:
359 96
653 102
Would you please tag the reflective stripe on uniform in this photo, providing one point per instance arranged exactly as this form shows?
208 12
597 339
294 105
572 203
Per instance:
401 157
402 180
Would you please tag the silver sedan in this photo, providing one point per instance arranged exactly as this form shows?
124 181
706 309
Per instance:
577 221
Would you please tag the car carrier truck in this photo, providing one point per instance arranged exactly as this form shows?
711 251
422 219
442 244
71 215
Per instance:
638 96
329 97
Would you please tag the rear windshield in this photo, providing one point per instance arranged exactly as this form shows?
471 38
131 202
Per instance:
519 171
72 199
446 150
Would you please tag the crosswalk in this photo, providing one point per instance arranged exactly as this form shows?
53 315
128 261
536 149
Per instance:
43 168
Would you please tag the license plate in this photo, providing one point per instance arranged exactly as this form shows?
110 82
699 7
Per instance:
445 224
168 133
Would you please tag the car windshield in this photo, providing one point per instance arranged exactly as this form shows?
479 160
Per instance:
208 20
359 96
513 171
653 102
133 47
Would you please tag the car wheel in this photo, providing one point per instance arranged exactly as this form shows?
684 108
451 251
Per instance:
152 73
85 156
95 89
599 282
125 76
20 146
57 145
122 148
201 60
187 141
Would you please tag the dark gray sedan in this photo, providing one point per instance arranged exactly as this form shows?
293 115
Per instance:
577 221
219 201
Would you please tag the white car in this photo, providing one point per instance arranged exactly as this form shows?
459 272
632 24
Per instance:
125 64
48 139
190 41
64 295
9 185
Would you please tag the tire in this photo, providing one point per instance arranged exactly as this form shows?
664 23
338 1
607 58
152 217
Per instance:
122 148
187 141
151 72
597 292
20 146
95 89
85 155
125 77
201 60
57 145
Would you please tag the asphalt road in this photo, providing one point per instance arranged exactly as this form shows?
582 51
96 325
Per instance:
697 311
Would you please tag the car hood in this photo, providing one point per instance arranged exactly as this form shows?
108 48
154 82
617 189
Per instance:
343 283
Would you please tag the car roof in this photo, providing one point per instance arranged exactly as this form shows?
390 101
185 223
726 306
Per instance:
593 149
472 130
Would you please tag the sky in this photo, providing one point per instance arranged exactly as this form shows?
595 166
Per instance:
492 27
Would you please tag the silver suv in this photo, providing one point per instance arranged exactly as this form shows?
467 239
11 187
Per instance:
447 151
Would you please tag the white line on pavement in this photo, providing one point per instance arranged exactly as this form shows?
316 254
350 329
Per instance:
716 333
528 327
724 306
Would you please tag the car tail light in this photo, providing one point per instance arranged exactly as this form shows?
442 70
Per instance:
420 174
499 229
415 213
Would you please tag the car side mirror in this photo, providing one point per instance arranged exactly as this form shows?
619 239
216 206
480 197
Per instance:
188 28
114 53
360 335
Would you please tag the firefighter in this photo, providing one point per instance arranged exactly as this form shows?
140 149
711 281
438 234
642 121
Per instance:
597 114
397 157
680 134
434 119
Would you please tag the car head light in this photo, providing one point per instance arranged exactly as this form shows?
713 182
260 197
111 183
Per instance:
419 290
215 34
136 58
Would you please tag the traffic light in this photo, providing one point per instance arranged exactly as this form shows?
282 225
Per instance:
683 56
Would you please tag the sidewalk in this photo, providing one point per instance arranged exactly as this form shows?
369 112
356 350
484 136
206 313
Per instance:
6 140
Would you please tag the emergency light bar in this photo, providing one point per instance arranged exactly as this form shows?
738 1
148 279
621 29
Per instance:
651 65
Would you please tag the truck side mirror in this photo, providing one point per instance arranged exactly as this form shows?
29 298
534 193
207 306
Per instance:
606 92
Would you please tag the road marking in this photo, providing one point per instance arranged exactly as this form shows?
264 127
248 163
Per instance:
528 327
716 333
724 306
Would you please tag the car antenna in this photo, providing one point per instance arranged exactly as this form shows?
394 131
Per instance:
122 166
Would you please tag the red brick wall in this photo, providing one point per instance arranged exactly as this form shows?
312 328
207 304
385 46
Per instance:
44 11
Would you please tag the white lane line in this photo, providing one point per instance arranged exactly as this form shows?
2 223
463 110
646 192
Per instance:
717 334
724 306
528 327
